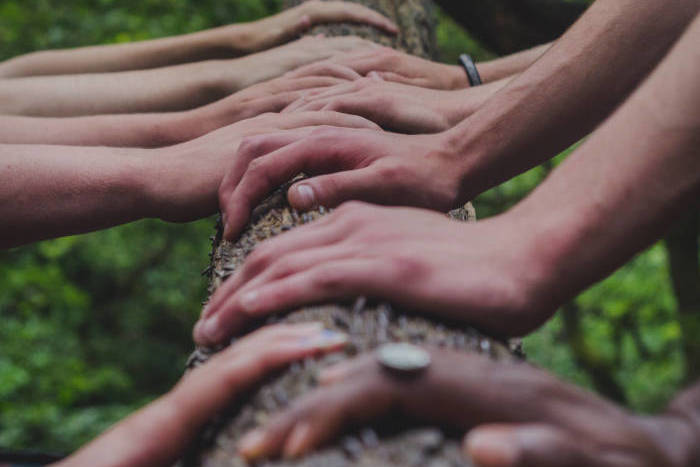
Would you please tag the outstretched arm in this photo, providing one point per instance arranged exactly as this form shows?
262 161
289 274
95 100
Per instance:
173 88
50 191
223 42
161 129
614 196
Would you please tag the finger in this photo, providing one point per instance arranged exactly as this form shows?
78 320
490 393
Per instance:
320 416
230 313
397 78
345 11
331 190
531 445
312 155
234 370
328 281
325 68
330 118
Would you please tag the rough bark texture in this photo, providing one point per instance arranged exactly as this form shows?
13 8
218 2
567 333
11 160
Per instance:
368 324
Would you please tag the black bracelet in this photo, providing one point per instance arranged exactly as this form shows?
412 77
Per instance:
470 68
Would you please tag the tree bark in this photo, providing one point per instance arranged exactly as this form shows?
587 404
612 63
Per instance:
368 324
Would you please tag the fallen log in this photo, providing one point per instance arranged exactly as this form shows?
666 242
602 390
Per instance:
369 324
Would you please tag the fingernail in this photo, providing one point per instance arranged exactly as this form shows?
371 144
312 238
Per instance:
492 449
249 300
252 445
305 196
209 329
298 440
325 339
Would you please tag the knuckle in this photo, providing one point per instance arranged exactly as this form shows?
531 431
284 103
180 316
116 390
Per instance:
406 267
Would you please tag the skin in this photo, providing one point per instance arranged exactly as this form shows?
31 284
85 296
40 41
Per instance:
399 107
568 95
165 129
218 43
613 197
392 65
50 191
158 434
165 89
545 423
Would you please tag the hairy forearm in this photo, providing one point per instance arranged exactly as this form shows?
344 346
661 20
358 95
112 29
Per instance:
570 89
50 191
623 188
223 42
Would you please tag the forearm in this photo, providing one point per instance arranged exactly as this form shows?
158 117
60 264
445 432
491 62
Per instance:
622 189
128 130
223 42
50 191
163 89
569 90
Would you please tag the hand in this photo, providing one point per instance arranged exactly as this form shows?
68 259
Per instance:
394 106
386 168
184 179
484 274
399 67
524 417
279 28
268 96
157 434
397 107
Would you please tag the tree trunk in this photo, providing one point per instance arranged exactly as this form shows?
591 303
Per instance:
368 324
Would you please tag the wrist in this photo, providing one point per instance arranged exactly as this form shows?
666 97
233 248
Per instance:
176 188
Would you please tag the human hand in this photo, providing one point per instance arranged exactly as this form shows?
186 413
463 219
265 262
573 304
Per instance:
184 179
157 434
395 66
269 96
394 106
379 167
486 274
523 416
272 63
276 29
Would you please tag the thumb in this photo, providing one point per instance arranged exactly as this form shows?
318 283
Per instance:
526 446
333 189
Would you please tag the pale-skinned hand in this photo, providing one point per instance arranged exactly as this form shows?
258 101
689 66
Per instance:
394 106
485 274
372 166
279 28
158 434
395 66
268 96
189 175
523 416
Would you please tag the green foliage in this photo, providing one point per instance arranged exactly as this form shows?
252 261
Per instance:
97 325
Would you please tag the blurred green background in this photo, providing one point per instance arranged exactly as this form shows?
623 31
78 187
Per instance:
97 325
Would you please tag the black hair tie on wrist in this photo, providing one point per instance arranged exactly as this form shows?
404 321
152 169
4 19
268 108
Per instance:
470 68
